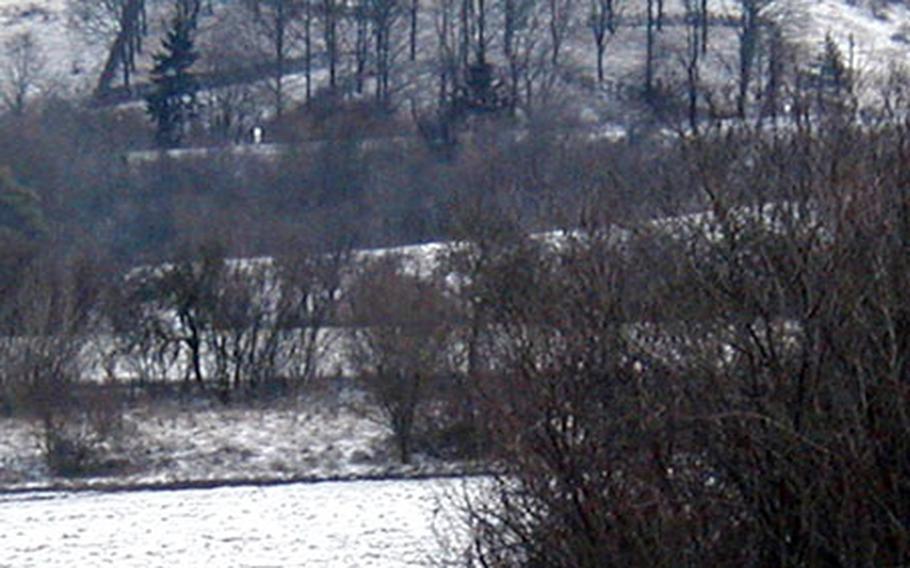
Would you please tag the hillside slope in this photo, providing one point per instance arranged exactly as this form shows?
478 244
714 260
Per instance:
874 35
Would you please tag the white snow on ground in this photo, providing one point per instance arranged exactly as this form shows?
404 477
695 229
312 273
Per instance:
386 524
20 461
70 63
168 444
880 39
229 443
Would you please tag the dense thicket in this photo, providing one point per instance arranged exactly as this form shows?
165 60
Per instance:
727 388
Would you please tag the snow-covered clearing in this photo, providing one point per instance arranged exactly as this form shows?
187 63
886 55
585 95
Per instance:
171 444
359 524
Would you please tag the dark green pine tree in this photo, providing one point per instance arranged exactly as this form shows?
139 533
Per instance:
23 230
172 103
832 78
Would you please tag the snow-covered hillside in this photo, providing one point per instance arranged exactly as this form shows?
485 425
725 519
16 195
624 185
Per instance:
66 61
878 37
875 35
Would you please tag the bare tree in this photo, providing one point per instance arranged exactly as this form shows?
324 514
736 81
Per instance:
413 14
603 20
50 351
560 19
251 327
230 112
802 378
383 15
752 22
276 20
474 36
23 69
310 291
243 341
568 413
650 47
361 15
308 47
704 25
692 60
173 304
400 345
330 12
123 23
522 22
779 60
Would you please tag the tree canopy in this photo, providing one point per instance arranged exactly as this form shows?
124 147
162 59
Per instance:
172 104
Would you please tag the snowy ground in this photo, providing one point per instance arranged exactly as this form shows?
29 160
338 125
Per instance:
239 512
171 444
385 524
66 61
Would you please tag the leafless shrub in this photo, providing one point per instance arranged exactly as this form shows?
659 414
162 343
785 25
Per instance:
722 388
23 71
399 344
57 318
238 326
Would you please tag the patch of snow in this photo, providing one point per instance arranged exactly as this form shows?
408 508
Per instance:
385 524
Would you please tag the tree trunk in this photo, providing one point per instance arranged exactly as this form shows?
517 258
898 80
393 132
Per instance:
703 13
415 7
747 45
280 23
330 30
308 49
360 46
649 52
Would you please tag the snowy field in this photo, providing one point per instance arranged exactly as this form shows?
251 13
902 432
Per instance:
358 524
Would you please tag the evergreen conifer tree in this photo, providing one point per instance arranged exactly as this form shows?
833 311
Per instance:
21 214
172 103
832 79
23 230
